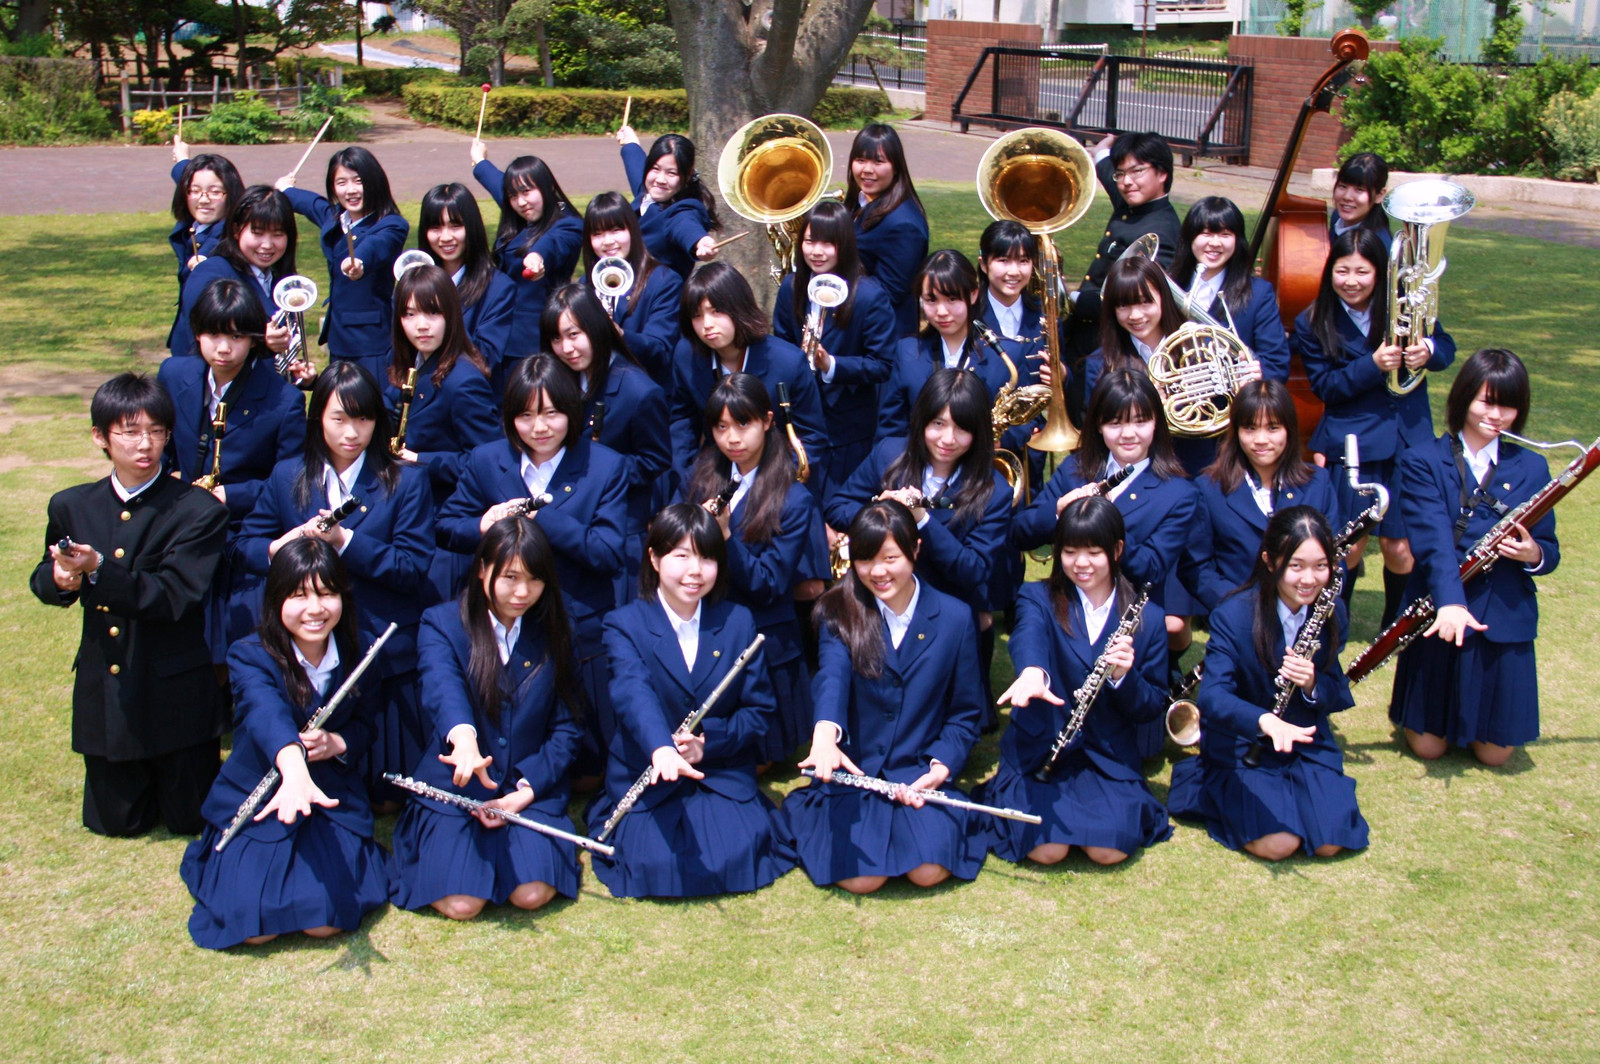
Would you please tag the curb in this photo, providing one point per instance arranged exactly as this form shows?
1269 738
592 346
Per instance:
1490 189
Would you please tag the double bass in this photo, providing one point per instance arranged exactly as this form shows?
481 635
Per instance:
1291 239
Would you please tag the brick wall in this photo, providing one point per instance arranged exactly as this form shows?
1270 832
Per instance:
1285 70
953 47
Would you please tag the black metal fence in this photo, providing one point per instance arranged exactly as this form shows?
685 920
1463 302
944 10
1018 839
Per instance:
1201 107
906 59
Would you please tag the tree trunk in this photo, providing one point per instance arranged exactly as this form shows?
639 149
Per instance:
544 56
33 16
240 31
361 12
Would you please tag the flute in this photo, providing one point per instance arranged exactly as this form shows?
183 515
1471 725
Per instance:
252 802
892 791
472 805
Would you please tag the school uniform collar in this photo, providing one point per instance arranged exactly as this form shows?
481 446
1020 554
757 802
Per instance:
127 494
1291 621
455 278
321 675
1095 617
1203 293
900 623
935 486
686 631
538 475
1361 319
1007 320
721 371
1113 467
505 639
1480 463
1142 349
339 487
745 481
945 358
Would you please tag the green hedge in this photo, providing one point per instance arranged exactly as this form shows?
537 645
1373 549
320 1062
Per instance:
48 101
528 111
374 82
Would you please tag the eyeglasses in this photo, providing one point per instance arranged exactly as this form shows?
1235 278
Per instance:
1136 172
132 436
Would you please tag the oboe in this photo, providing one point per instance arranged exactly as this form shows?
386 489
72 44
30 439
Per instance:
723 498
219 425
472 805
397 442
328 520
892 791
1089 690
1306 645
248 807
690 723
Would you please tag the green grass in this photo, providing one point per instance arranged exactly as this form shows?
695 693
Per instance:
1468 931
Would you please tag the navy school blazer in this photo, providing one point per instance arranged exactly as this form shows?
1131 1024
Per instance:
653 692
1357 397
186 244
1383 231
924 707
633 422
1109 740
181 340
670 230
388 555
1230 528
915 361
447 420
358 318
488 323
559 247
266 425
1237 688
864 357
265 721
585 519
534 738
650 323
1430 494
891 252
1259 324
955 559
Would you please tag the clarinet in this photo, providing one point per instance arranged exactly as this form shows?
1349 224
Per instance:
472 805
397 442
248 807
719 505
1089 690
532 504
597 420
1306 645
330 520
690 723
892 791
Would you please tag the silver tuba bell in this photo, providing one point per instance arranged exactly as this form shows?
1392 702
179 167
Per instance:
611 279
1416 263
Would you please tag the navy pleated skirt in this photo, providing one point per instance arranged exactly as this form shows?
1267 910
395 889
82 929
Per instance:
1079 806
843 832
1477 692
320 875
1385 471
791 725
437 854
698 844
1303 797
397 736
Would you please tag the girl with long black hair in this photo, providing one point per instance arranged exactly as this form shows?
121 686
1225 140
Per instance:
450 228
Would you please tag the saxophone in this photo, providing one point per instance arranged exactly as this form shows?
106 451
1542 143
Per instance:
397 442
1306 645
219 425
1089 690
1013 406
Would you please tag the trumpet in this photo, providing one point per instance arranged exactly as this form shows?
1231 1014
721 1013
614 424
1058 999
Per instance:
397 442
825 292
294 295
219 425
612 280
772 171
1012 406
1416 263
802 461
410 260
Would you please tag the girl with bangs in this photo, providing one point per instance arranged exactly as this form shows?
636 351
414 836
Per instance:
538 240
676 211
450 229
897 697
773 537
703 827
1006 254
856 351
255 249
891 225
206 189
500 686
1213 261
386 543
622 407
1477 685
308 861
545 451
1095 797
1357 199
948 286
1298 797
724 332
648 315
362 234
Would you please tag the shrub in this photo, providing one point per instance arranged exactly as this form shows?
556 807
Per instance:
1573 123
246 119
373 82
154 127
591 51
48 101
319 103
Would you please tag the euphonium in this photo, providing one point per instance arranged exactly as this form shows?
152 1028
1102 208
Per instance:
825 291
611 279
219 425
1416 263
802 461
1012 406
397 442
294 295
773 170
1045 180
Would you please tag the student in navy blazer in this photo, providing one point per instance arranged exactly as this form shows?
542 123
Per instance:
891 226
1213 264
1357 198
206 189
1477 685
1093 795
314 866
361 238
724 331
500 691
898 697
676 211
450 228
647 313
386 543
703 827
1342 341
855 352
256 250
1298 798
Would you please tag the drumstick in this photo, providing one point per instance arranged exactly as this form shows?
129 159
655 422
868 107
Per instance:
731 239
312 146
627 109
181 109
483 105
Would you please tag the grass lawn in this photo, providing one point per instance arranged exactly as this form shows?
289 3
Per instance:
1469 930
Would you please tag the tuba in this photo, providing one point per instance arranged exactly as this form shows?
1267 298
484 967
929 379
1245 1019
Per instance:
1416 263
772 171
1045 180
825 292
294 295
612 280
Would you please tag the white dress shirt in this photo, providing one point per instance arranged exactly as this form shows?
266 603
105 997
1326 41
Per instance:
688 632
1261 492
214 393
1095 617
504 638
1008 318
340 486
1203 293
1292 621
952 358
1362 318
1113 467
900 623
745 482
320 675
1144 350
127 493
1478 464
537 475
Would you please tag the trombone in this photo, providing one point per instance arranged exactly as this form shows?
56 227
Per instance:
772 171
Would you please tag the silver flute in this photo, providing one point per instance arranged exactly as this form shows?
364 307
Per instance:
248 807
892 791
690 723
1089 690
472 805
